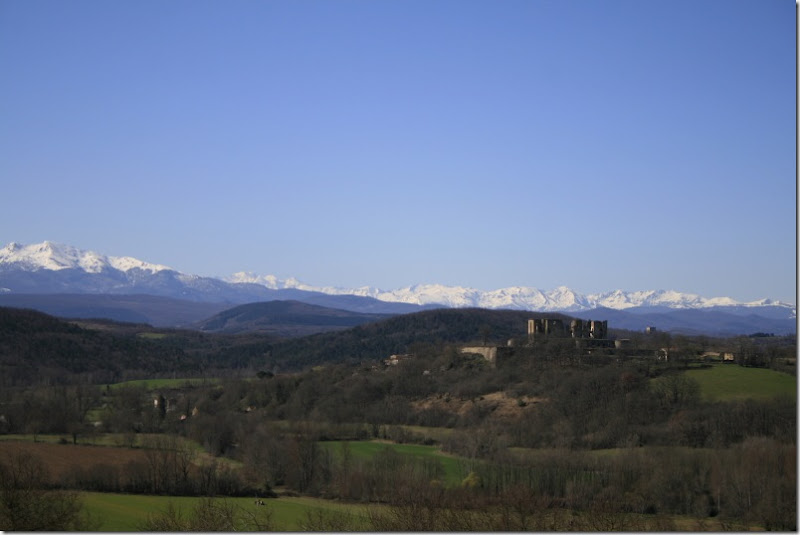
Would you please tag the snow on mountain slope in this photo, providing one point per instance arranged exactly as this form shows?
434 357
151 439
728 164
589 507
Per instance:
516 297
55 257
126 274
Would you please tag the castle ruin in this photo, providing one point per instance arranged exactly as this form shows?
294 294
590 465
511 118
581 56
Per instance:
578 329
588 335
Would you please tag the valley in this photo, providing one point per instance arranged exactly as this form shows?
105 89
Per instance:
135 397
392 266
553 435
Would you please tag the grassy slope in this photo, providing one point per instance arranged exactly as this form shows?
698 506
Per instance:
728 382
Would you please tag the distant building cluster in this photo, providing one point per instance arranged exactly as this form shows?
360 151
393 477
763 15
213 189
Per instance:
590 337
394 360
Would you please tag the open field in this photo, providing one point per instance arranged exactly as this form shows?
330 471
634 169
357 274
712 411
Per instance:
126 512
152 384
365 449
60 455
728 382
60 459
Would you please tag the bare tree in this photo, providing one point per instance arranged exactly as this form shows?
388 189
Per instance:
26 504
210 514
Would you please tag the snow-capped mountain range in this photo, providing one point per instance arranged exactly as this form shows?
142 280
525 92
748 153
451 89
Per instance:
515 297
66 269
55 257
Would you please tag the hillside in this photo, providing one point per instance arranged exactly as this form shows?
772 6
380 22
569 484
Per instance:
284 318
35 346
38 348
401 333
152 309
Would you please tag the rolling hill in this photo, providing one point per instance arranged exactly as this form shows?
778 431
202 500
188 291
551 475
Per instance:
36 347
401 333
284 318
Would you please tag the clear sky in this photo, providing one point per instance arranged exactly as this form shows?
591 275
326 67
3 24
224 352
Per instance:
595 144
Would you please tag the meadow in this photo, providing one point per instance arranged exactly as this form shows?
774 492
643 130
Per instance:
127 512
729 382
153 384
453 471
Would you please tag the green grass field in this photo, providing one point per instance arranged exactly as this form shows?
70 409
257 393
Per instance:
453 473
152 384
728 382
126 512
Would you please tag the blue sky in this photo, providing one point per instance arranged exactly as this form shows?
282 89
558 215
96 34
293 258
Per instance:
598 145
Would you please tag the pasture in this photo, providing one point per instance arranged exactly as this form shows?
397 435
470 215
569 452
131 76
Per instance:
453 472
126 512
729 382
152 384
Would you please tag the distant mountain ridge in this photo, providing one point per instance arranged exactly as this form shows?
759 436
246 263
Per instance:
715 321
515 297
50 268
152 309
55 257
285 318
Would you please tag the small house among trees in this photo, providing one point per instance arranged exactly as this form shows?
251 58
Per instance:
394 360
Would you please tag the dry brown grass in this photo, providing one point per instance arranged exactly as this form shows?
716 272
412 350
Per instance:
61 458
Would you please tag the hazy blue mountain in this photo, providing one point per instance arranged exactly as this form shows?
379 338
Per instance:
48 268
155 310
284 318
692 321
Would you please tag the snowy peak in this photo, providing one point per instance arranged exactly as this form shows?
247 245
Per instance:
248 277
516 297
270 281
102 275
56 257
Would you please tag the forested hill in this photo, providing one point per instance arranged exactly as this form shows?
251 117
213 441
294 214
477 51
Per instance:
36 348
285 318
401 333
